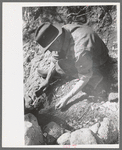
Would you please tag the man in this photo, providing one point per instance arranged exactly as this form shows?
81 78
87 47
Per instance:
77 51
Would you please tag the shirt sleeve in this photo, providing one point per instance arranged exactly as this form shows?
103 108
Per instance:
54 56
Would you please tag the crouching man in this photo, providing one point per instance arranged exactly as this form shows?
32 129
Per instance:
77 51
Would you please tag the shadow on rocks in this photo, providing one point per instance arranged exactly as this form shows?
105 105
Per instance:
44 119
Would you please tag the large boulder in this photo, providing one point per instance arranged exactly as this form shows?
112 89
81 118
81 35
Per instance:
82 136
111 106
32 133
108 132
64 139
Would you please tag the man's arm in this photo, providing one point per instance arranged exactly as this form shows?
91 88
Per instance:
52 68
79 85
46 82
50 74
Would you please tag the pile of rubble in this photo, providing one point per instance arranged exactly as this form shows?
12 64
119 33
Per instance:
105 131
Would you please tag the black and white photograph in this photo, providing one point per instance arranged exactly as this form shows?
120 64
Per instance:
70 66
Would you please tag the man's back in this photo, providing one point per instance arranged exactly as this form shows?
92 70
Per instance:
83 39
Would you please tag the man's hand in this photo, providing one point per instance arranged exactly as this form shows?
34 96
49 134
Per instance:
78 86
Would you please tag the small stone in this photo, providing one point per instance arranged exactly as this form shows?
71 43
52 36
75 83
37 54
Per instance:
28 101
45 134
64 139
111 106
94 128
82 136
62 86
53 131
50 140
113 97
32 133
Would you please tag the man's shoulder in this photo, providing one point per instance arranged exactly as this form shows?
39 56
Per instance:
74 27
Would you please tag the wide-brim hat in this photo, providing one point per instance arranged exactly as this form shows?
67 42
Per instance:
46 34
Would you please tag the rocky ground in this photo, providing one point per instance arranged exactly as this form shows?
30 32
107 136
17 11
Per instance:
87 119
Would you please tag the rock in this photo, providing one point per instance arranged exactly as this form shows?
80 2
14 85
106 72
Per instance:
94 128
64 139
111 106
49 140
27 103
54 131
107 131
32 133
82 136
113 97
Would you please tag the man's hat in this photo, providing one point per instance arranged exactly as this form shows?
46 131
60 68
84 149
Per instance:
47 33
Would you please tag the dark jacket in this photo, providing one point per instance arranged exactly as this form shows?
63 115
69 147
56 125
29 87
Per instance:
83 46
